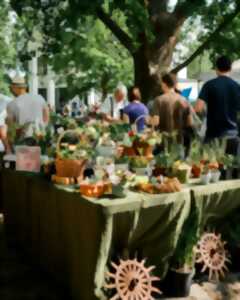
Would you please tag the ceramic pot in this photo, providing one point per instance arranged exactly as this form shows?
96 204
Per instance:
140 171
106 151
121 167
206 178
215 176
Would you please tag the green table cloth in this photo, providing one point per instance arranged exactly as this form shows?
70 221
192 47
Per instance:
74 238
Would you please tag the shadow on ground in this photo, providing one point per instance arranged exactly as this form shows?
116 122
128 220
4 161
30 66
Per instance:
20 281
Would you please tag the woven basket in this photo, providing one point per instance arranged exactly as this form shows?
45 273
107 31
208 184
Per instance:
68 167
94 190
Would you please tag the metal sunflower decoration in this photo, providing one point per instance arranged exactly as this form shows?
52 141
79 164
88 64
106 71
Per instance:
132 281
211 252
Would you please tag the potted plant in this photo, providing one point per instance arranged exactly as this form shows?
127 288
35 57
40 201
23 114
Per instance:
225 166
182 171
118 131
163 164
143 143
71 159
106 147
206 175
214 171
195 158
139 164
127 144
178 280
121 163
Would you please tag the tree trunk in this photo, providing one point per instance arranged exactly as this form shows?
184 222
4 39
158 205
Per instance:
149 66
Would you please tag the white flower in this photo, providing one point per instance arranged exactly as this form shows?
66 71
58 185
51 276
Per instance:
60 130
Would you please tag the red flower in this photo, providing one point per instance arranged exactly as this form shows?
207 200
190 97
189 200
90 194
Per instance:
130 133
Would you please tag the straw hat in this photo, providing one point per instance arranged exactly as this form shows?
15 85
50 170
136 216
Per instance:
19 81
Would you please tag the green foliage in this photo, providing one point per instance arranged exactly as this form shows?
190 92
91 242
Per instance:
99 60
118 131
59 121
122 160
184 254
139 162
89 55
7 46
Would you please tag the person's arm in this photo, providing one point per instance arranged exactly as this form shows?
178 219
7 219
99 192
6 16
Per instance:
126 118
154 119
199 106
10 118
4 139
202 99
46 114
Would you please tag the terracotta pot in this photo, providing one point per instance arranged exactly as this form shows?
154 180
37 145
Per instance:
196 171
128 151
142 148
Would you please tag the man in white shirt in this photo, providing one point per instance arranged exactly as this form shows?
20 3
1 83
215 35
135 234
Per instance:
112 107
26 108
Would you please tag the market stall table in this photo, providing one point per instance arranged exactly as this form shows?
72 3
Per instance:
74 238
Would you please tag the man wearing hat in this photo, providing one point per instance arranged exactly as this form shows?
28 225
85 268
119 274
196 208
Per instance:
26 108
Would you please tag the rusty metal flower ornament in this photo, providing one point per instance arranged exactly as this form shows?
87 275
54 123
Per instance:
211 252
132 281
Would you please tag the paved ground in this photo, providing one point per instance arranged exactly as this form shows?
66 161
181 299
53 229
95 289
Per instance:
19 281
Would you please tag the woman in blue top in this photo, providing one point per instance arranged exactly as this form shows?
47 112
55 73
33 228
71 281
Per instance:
135 112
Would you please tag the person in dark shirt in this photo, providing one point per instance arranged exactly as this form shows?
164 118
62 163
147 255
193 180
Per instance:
221 96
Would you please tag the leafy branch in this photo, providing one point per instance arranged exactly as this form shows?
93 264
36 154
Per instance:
227 20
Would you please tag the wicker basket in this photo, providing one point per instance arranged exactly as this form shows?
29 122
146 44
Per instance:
95 190
73 168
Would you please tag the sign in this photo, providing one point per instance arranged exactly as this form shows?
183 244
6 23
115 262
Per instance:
28 159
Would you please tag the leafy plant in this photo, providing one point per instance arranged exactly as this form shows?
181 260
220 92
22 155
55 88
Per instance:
164 160
122 160
184 258
139 162
195 153
59 121
77 154
118 131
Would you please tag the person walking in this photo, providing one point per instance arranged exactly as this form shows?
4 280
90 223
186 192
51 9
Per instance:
26 109
136 112
221 98
171 111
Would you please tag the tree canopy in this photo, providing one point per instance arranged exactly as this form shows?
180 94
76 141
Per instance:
7 46
149 30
